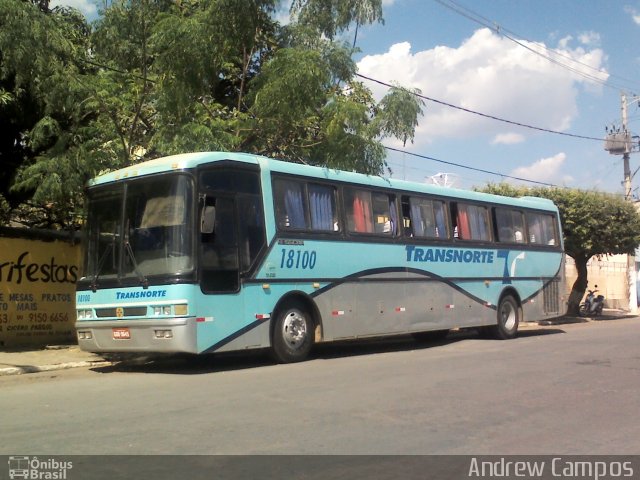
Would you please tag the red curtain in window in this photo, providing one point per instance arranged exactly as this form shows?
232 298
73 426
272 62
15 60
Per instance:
362 216
463 224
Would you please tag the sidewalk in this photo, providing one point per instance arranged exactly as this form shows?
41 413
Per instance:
16 362
59 357
607 314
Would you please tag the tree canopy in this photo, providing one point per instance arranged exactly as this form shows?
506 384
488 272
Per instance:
156 77
593 223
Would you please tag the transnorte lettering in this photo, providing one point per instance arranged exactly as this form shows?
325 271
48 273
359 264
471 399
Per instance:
448 255
142 294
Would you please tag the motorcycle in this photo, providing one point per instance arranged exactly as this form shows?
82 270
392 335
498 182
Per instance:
592 304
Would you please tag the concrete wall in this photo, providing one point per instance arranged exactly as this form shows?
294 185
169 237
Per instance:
610 274
38 272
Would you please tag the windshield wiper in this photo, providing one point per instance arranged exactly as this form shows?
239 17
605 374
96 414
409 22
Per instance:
94 280
143 280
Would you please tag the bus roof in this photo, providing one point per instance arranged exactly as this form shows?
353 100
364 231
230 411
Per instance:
189 161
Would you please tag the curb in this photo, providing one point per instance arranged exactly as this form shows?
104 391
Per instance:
49 368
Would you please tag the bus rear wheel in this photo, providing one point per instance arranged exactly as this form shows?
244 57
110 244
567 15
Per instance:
292 334
508 319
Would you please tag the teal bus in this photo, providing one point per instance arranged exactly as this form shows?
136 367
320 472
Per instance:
216 251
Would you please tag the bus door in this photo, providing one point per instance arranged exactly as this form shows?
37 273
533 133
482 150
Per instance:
232 240
219 262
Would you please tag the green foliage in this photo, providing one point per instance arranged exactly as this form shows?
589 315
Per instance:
39 54
330 17
593 224
156 77
399 112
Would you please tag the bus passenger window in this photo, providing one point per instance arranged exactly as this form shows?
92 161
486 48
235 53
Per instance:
509 225
369 212
428 218
322 208
359 212
251 229
290 204
471 222
384 214
541 229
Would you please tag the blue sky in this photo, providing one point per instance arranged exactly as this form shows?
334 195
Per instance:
433 45
427 44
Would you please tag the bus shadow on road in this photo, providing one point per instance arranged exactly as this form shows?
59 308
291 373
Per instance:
407 343
187 364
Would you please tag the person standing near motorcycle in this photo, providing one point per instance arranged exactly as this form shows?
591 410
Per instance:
593 304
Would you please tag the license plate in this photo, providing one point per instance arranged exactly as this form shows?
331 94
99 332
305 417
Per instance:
121 334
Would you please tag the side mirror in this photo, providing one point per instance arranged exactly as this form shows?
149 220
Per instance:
208 219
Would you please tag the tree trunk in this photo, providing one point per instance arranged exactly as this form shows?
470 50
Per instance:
579 286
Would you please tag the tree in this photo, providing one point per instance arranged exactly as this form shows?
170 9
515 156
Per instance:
157 77
593 223
331 17
38 47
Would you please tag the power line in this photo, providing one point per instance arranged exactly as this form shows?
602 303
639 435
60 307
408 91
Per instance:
500 30
485 115
467 167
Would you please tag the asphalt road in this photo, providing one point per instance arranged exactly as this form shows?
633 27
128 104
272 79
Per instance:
570 389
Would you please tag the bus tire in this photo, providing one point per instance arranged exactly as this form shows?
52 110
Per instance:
293 333
508 314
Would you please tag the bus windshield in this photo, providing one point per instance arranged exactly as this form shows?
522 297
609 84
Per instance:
140 229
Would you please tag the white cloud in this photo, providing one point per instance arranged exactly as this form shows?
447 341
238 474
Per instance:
544 170
635 16
489 74
507 139
564 42
589 38
87 7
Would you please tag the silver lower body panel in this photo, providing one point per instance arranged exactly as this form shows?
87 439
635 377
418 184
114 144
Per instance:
143 335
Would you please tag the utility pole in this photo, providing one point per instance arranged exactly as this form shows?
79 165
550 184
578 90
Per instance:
618 142
625 154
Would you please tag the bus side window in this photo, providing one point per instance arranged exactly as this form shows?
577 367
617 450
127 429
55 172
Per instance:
509 225
427 218
371 212
407 226
460 221
359 212
290 204
384 214
471 222
541 229
251 229
322 208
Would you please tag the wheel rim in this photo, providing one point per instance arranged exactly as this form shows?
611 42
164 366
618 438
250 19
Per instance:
508 315
294 330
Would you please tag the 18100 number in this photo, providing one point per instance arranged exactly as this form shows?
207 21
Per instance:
298 259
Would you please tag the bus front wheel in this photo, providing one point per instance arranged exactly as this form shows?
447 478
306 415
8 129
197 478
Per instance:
292 334
508 319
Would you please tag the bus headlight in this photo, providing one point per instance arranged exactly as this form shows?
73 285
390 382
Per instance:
84 314
85 335
162 310
166 310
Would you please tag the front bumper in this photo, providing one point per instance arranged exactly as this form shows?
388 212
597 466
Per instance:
142 335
